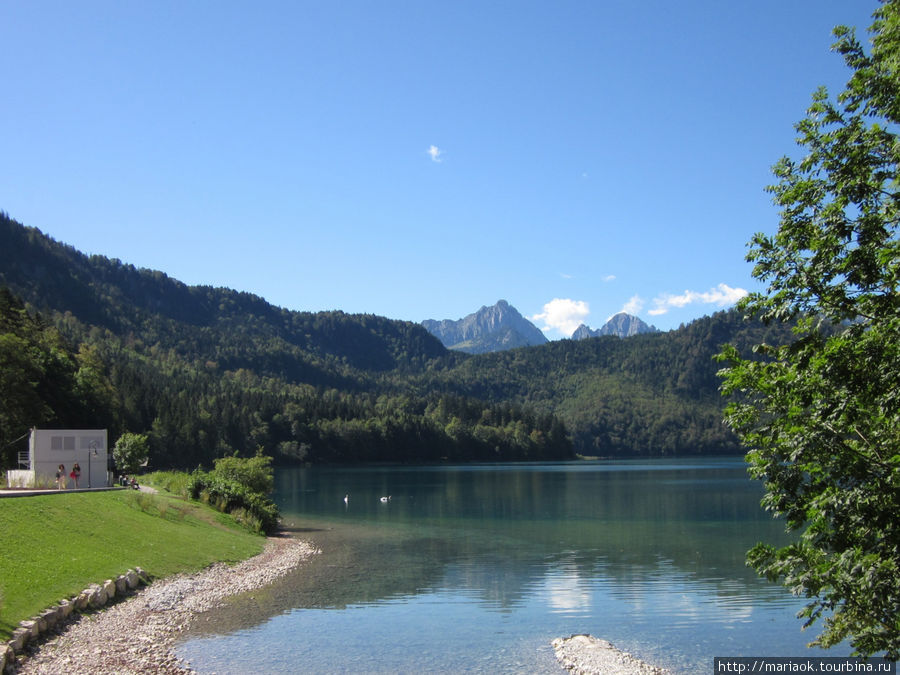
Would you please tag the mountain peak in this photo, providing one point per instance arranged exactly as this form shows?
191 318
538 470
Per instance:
582 333
621 325
490 329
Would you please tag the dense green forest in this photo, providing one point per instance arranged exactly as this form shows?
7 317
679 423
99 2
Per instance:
207 372
650 394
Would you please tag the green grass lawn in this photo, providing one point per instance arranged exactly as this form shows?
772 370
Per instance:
54 546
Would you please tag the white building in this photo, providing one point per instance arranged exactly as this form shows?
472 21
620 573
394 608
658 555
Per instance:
48 448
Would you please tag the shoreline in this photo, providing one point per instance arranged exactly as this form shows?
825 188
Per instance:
137 635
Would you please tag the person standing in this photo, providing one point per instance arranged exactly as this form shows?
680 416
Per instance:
61 477
76 474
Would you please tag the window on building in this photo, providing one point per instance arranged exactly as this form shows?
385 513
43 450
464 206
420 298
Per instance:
62 442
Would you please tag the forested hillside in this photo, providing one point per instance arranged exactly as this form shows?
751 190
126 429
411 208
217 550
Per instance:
42 378
650 394
210 371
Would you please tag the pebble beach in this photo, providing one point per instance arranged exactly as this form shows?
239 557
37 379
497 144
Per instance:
137 634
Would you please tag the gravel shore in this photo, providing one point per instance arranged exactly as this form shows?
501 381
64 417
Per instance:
137 634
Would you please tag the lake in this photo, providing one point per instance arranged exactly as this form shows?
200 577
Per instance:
476 568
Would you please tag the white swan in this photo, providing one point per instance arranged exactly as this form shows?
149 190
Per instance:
386 499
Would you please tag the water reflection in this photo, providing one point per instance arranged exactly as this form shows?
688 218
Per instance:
647 555
567 592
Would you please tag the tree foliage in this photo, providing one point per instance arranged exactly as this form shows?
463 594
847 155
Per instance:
821 413
131 452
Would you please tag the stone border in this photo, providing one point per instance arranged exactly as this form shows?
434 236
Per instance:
93 597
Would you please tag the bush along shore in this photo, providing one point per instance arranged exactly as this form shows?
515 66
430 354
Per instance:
137 634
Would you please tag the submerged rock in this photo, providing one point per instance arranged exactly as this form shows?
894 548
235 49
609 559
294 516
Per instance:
587 655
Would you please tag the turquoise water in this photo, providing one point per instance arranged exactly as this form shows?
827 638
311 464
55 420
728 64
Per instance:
475 568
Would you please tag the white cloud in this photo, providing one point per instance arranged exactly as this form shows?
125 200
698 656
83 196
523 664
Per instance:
435 153
563 315
722 295
609 277
634 305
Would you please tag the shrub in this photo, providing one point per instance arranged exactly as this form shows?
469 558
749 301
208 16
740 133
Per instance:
254 473
259 513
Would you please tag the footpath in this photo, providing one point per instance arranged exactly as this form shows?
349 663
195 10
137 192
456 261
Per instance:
28 492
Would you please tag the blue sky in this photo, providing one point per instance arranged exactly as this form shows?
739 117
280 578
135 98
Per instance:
416 159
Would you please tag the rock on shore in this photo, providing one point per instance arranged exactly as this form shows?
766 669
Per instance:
137 635
587 655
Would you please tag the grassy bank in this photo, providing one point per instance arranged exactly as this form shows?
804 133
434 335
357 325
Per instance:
55 545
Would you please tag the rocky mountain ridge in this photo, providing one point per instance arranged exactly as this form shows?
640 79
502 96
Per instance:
621 325
490 329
